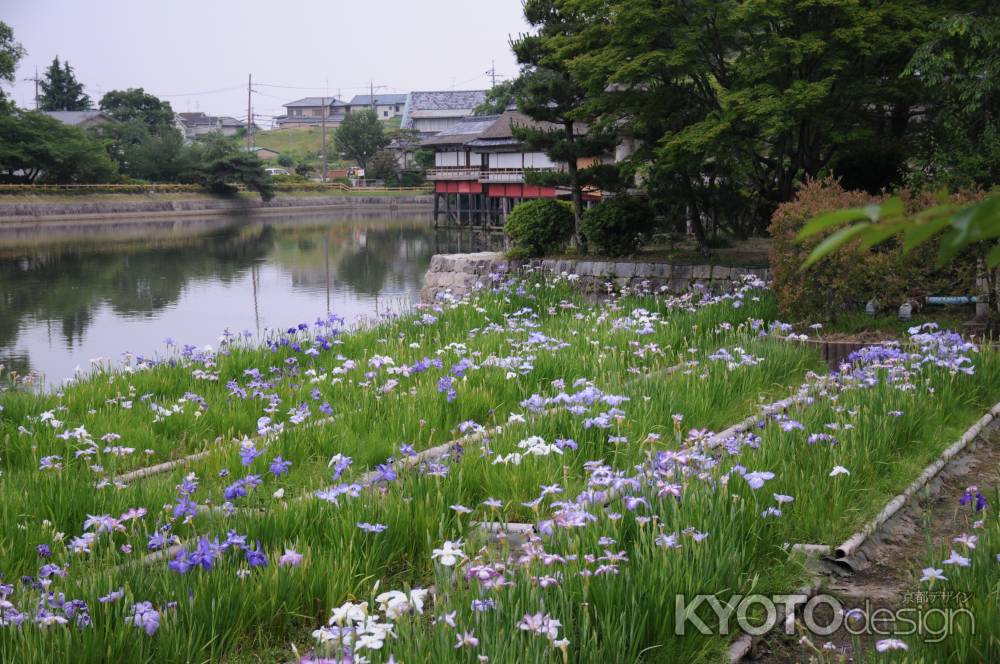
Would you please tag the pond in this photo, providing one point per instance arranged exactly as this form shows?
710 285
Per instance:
91 293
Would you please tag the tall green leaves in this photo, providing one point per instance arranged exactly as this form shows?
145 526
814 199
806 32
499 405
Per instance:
960 226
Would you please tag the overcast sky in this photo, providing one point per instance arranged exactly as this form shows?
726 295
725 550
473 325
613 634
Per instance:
196 54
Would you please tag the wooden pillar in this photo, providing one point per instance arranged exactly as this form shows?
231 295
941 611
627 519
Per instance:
437 204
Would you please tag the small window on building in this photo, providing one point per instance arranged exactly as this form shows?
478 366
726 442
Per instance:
385 114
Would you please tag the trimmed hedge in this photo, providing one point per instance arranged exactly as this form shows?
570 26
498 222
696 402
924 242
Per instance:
844 282
538 227
615 227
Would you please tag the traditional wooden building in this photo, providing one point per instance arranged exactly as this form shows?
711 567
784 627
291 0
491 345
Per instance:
479 169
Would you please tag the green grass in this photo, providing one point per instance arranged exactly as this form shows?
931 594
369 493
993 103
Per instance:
301 142
503 354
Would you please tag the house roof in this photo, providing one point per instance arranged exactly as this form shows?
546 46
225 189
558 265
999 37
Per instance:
501 132
201 119
380 100
333 118
315 101
258 148
464 130
441 104
489 131
79 117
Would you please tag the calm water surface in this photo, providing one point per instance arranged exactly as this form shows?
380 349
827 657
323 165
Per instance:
67 300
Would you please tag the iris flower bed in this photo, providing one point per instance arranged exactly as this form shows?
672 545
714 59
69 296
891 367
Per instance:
312 526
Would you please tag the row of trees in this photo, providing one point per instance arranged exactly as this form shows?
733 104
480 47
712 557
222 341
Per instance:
729 105
142 142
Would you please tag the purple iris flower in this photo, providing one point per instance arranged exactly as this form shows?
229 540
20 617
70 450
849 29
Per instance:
256 557
279 466
145 617
972 496
184 507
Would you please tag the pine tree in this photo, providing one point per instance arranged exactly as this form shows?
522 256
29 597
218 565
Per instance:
548 93
60 89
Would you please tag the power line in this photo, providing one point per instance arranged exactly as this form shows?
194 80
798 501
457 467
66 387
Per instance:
206 92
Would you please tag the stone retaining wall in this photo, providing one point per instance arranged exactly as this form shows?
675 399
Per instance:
461 273
40 210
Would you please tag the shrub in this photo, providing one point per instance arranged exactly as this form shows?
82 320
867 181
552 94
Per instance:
843 283
615 226
539 227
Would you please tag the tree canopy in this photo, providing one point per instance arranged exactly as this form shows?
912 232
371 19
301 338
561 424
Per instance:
958 68
360 136
499 98
37 148
11 53
136 105
143 128
60 91
547 91
726 107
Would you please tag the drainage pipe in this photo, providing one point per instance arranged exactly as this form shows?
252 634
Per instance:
849 547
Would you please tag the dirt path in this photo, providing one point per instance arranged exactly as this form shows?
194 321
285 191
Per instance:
891 580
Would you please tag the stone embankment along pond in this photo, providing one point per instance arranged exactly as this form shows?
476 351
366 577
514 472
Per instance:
13 210
459 273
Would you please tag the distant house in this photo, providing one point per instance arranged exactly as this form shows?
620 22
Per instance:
310 111
265 154
385 106
430 112
82 119
196 125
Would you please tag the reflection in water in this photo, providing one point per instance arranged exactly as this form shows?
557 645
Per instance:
63 304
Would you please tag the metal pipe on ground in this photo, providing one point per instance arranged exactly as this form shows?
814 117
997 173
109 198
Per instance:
843 560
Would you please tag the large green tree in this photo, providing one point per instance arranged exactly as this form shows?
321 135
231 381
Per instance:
143 128
37 148
959 69
384 166
730 104
221 164
548 92
60 89
11 53
360 136
137 105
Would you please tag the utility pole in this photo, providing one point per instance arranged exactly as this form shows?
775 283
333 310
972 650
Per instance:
324 111
492 72
371 94
35 79
249 114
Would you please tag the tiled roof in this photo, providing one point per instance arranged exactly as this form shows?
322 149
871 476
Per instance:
464 130
441 103
315 101
201 120
333 118
380 100
77 117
